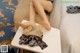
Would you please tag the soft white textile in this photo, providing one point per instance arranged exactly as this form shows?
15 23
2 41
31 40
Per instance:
70 27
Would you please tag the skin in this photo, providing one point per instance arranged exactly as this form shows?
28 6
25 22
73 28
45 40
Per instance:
31 19
39 8
47 5
42 14
32 13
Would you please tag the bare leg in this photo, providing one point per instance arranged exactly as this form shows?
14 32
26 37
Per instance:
47 5
42 14
32 13
31 17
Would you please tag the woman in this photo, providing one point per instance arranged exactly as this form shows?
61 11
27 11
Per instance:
34 11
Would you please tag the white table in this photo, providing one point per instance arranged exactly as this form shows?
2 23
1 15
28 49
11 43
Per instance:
56 45
52 38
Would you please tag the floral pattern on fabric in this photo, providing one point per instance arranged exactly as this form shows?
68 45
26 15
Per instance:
7 9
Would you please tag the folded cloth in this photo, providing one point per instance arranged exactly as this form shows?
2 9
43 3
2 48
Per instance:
32 36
